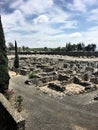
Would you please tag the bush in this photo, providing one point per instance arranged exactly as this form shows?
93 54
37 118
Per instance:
19 102
32 75
8 93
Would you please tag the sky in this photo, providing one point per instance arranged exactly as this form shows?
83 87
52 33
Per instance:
49 23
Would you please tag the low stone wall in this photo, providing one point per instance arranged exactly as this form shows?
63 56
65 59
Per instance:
10 119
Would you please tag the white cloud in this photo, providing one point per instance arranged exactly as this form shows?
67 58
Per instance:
57 15
1 2
11 21
94 28
81 5
45 34
70 25
77 5
49 26
90 2
41 19
91 35
15 26
75 35
31 7
16 4
93 15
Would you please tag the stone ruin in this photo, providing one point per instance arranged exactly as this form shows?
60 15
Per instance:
57 87
9 118
47 69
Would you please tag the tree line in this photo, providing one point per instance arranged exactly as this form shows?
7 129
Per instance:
69 47
79 47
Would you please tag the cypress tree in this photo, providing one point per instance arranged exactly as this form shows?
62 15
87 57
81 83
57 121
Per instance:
4 75
16 61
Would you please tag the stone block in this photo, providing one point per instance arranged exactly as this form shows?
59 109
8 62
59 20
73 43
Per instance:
57 87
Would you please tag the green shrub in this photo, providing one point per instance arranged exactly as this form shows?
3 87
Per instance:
8 93
32 75
19 102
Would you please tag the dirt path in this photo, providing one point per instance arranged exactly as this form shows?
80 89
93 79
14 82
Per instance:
48 113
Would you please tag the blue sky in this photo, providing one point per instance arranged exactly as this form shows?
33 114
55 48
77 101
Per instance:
50 23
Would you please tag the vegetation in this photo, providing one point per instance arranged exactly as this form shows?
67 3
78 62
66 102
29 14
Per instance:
69 47
79 47
32 75
16 61
8 93
4 75
10 46
19 102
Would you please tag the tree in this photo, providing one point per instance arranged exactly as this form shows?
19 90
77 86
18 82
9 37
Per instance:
58 49
83 46
74 47
16 61
4 75
68 47
93 47
45 49
88 47
23 48
10 46
79 47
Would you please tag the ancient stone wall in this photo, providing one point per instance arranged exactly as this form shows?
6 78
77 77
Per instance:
9 118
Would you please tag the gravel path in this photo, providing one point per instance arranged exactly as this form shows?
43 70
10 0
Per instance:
48 113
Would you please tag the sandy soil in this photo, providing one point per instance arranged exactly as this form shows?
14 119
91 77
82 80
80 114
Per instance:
75 127
74 88
13 74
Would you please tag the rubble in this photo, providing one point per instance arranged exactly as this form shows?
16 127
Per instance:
50 69
57 87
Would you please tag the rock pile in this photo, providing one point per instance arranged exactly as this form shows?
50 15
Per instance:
57 87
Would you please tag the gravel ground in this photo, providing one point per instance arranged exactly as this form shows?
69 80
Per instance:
44 112
68 58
